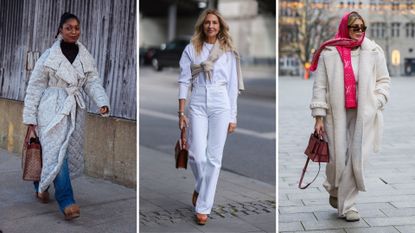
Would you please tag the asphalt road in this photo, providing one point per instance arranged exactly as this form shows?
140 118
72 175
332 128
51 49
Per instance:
250 151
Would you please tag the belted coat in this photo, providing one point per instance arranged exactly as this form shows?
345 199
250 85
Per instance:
328 100
55 102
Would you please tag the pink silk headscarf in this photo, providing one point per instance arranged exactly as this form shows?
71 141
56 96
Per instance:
343 45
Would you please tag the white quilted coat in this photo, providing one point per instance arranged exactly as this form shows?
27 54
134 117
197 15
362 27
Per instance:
55 103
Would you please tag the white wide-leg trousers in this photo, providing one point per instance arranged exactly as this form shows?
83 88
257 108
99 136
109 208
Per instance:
209 117
347 191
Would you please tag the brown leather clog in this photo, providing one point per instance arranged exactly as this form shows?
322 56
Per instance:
201 219
42 197
72 212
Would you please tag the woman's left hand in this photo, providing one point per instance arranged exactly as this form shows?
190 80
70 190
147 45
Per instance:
231 127
104 110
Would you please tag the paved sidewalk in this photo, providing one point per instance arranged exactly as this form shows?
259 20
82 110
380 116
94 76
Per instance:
389 203
105 207
241 204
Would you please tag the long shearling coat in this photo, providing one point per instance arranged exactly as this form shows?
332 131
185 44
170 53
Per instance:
372 95
55 103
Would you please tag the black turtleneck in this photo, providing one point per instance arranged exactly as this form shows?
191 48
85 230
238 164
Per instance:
70 50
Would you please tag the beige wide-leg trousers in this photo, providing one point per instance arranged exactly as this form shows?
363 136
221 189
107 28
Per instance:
347 191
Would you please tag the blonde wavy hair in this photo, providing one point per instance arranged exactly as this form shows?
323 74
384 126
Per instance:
353 16
224 36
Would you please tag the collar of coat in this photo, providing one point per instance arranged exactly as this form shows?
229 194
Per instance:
56 57
367 45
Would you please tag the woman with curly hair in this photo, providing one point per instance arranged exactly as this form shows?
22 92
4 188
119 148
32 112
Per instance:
209 65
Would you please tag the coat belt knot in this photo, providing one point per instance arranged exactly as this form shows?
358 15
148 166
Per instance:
74 97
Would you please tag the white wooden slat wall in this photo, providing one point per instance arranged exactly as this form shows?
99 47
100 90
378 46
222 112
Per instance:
28 28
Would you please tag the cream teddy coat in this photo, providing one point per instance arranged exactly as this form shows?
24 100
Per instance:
55 103
328 101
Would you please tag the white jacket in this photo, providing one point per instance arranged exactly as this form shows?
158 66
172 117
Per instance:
55 103
328 101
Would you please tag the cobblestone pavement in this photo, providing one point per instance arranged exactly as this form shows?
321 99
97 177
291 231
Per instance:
241 204
229 210
389 203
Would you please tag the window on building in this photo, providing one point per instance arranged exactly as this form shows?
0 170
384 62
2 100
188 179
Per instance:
383 30
395 6
380 5
372 4
373 30
410 30
378 30
350 3
395 29
409 4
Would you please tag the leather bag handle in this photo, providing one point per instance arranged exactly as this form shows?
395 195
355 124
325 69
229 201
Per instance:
305 169
183 140
30 130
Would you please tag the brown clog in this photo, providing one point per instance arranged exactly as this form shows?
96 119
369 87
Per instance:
43 197
201 219
194 197
72 212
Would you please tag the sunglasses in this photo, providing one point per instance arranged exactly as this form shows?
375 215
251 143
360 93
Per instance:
357 28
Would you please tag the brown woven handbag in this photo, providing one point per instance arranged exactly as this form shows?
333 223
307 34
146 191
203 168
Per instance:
31 156
181 152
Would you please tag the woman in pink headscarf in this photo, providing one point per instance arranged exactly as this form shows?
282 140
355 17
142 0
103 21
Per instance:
350 91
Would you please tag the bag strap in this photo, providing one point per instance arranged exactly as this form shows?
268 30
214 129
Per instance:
302 175
320 137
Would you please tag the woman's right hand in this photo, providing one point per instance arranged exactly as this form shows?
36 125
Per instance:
183 121
319 126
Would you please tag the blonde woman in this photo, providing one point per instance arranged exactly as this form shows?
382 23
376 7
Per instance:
210 66
349 93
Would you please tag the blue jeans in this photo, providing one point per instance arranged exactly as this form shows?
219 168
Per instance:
63 187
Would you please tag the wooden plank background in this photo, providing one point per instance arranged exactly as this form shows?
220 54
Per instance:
108 30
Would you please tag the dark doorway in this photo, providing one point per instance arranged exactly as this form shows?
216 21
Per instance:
409 66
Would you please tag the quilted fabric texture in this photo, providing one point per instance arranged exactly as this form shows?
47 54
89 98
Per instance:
55 103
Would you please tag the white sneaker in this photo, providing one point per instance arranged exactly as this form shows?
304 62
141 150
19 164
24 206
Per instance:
352 216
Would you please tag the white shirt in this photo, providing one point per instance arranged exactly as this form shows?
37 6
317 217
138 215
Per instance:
224 72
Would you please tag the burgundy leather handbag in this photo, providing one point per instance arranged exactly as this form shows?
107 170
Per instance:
31 156
181 152
317 151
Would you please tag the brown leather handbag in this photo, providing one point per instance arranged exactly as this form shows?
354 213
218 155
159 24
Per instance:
181 152
317 151
31 156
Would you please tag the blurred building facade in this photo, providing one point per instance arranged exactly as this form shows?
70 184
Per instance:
390 23
253 30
